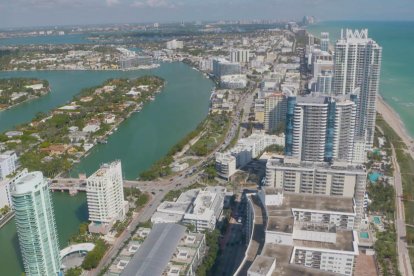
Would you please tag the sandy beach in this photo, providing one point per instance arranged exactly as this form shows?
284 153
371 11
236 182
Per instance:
394 120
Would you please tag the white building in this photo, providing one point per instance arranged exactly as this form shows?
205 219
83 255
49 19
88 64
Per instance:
175 44
337 179
308 234
320 128
105 196
325 41
324 82
240 55
245 150
357 66
8 160
201 208
233 81
206 210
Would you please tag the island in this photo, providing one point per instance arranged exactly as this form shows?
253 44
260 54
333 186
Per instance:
53 142
14 91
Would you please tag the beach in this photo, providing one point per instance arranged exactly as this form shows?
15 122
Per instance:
394 120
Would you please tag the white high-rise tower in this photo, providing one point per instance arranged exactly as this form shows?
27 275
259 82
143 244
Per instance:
35 222
357 65
105 196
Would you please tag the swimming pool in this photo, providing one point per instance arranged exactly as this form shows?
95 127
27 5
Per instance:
373 177
377 220
364 235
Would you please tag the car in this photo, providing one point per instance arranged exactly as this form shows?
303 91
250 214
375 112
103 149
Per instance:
153 192
171 179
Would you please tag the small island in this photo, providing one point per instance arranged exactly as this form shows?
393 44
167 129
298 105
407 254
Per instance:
14 91
53 142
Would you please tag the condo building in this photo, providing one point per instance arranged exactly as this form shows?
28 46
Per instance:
357 66
35 223
320 128
8 160
275 105
239 55
105 197
223 67
325 41
339 179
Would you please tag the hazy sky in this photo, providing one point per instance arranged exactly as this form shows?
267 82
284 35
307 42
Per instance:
62 12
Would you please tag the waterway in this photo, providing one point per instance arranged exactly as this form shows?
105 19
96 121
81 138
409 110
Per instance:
139 141
46 39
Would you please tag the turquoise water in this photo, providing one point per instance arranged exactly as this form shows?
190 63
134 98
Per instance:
69 213
397 40
46 39
364 235
377 220
373 177
143 138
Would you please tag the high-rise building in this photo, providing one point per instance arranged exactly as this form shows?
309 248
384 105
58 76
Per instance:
223 67
275 105
105 196
357 65
339 179
239 55
8 161
35 222
325 41
320 128
324 82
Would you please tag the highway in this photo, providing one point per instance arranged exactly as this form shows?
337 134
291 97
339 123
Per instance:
404 263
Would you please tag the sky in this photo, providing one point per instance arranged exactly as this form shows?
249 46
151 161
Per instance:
31 13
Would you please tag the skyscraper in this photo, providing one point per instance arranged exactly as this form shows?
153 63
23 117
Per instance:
320 128
274 111
325 41
35 222
357 65
105 197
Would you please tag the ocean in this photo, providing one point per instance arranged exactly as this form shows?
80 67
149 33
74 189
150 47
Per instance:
397 72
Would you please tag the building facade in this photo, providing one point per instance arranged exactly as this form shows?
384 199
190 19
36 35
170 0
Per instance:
357 66
320 128
105 197
240 55
35 223
275 105
325 41
8 162
337 179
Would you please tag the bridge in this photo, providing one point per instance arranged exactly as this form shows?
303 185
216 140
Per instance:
75 185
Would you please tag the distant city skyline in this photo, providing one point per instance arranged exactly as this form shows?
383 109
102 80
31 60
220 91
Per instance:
27 13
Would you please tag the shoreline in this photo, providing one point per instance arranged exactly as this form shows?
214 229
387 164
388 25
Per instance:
396 123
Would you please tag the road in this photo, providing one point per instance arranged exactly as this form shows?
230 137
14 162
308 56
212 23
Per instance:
404 263
159 189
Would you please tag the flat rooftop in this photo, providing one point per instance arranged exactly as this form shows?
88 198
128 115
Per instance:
310 202
344 242
288 162
156 251
174 207
282 253
262 265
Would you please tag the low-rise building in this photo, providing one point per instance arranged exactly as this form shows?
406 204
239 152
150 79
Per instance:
167 250
8 160
245 150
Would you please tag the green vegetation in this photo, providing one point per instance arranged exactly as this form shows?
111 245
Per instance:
51 142
387 252
4 210
93 257
212 242
382 196
15 90
406 164
275 149
214 128
75 271
135 196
